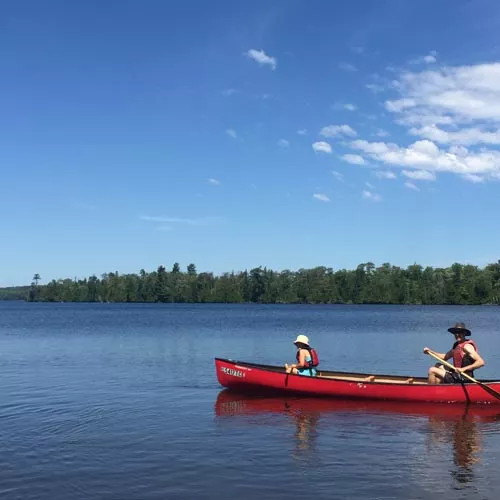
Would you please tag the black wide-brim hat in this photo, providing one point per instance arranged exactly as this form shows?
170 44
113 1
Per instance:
459 328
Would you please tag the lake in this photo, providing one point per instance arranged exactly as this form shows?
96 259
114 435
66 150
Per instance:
121 401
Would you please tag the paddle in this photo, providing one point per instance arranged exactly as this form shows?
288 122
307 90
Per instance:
491 391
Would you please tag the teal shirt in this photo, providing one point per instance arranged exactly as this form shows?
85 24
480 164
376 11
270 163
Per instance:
308 372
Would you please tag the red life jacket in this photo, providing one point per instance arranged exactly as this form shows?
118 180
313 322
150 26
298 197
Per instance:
461 358
314 358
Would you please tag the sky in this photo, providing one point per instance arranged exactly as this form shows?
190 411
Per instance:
286 134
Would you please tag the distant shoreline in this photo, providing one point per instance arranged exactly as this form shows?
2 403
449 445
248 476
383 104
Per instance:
367 284
23 301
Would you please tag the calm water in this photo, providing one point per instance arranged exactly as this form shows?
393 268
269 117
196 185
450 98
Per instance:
121 402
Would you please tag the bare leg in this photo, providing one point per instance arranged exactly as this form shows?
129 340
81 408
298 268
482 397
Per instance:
436 374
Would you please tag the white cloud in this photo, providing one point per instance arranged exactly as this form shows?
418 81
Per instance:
385 174
354 159
232 133
400 104
229 92
202 221
425 155
375 87
459 150
262 58
430 58
215 182
348 67
462 94
336 130
358 49
419 175
410 185
382 133
338 175
321 197
466 136
322 147
350 107
369 195
473 178
374 148
369 186
453 112
283 143
302 132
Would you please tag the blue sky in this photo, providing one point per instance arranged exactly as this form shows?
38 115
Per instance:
285 134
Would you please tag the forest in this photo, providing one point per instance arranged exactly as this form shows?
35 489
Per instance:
459 284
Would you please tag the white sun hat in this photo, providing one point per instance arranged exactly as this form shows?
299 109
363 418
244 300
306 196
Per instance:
302 339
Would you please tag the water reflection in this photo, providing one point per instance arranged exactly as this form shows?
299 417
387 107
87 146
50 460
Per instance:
306 423
466 448
460 427
464 432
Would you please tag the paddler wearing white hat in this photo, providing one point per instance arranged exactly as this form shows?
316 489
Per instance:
307 358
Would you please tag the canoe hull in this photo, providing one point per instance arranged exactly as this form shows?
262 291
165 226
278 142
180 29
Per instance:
262 379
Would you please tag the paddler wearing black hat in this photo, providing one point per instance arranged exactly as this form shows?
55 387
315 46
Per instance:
465 356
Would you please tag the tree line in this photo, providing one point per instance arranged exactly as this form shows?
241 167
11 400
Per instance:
367 284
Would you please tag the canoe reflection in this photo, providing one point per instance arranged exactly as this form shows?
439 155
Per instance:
457 425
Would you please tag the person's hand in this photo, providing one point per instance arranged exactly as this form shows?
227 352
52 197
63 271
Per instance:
459 369
426 350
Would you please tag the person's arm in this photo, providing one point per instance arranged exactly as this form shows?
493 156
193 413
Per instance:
448 355
478 360
300 363
441 355
302 358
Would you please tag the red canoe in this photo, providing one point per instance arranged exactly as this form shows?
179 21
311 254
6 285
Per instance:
264 379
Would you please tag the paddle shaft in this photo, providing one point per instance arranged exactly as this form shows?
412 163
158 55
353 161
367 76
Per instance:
449 365
472 379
